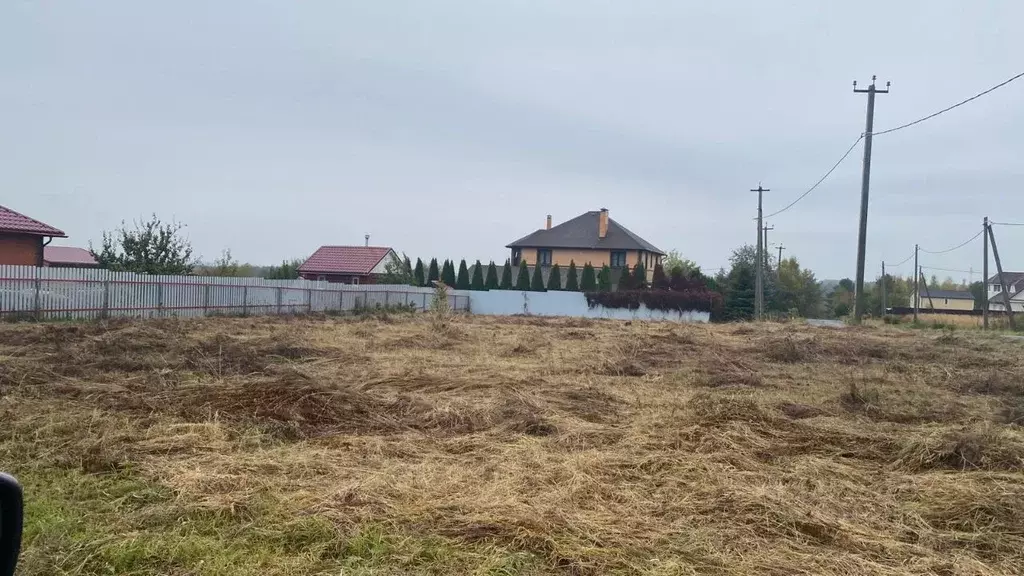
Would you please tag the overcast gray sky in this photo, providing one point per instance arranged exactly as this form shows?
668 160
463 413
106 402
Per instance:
450 128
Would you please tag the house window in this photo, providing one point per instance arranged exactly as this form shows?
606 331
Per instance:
544 257
321 278
517 254
355 279
618 259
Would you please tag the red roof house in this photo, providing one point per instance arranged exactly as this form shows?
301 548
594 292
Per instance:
22 238
68 257
347 264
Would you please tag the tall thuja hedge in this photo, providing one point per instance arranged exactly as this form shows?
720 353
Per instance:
492 277
476 282
433 274
537 283
462 281
418 278
523 279
448 273
571 282
659 280
506 276
639 280
588 281
555 278
604 278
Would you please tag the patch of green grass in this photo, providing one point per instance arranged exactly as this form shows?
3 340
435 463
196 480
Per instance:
88 524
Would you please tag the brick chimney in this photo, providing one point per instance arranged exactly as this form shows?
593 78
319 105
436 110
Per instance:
602 223
548 227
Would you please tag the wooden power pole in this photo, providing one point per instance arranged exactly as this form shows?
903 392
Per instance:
759 279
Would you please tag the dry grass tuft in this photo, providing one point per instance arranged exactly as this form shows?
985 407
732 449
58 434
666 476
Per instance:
969 449
447 444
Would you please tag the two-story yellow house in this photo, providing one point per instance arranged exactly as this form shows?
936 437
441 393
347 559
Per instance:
592 238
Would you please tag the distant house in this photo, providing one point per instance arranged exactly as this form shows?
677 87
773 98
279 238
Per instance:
946 300
347 264
592 237
1015 283
22 238
68 257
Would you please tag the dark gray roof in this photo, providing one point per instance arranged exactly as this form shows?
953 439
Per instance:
582 232
950 294
1011 278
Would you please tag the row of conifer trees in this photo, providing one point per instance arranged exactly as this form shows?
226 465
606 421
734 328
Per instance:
489 278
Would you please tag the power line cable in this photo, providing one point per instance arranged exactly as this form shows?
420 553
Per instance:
816 184
1006 224
905 260
947 269
944 110
960 245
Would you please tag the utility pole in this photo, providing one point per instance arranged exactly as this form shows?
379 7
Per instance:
759 280
862 237
917 286
984 272
767 264
781 248
1002 278
883 289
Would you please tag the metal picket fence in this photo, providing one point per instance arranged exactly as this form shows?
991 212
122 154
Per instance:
80 293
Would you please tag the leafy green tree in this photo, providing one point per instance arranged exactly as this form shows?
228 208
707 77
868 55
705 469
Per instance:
462 282
418 277
639 281
506 276
433 274
798 290
523 280
674 260
226 266
477 281
537 283
555 278
571 281
397 270
588 280
152 247
288 270
604 278
448 273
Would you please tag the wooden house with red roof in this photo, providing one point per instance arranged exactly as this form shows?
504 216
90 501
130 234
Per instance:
22 238
347 264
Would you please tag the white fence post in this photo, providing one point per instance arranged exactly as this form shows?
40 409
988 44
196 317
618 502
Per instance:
37 304
106 299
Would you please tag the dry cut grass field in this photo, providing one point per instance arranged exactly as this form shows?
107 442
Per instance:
297 446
